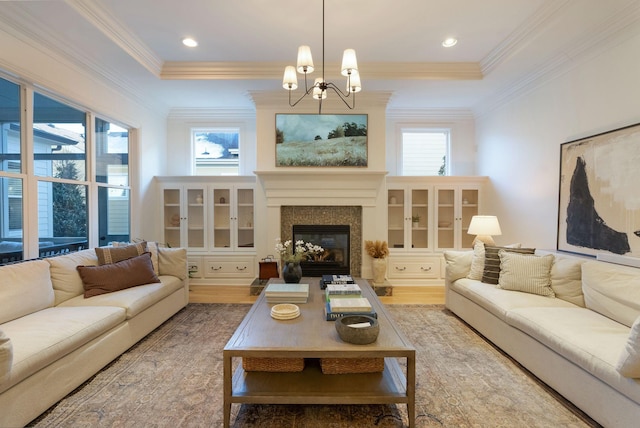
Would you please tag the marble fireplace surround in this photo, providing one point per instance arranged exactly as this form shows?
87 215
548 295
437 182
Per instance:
356 197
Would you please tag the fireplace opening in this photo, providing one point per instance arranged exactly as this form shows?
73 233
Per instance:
335 241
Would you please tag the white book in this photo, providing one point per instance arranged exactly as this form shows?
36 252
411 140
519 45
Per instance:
287 290
356 304
343 289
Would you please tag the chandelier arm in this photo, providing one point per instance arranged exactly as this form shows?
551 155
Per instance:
308 91
341 95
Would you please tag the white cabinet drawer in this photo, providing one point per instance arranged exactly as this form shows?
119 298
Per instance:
414 267
232 267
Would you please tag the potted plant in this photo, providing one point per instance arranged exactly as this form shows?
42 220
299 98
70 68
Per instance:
379 250
292 254
415 219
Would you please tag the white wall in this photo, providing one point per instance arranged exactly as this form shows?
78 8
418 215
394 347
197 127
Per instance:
39 67
519 143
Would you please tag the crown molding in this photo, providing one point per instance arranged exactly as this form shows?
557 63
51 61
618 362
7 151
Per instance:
429 114
211 113
525 32
175 70
118 33
618 27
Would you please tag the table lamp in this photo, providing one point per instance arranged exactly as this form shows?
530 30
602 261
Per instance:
484 226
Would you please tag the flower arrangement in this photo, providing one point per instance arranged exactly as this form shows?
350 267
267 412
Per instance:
300 251
377 249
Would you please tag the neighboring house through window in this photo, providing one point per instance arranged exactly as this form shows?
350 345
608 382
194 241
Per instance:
216 151
424 151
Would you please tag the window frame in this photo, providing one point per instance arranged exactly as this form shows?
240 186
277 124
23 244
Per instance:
220 128
419 129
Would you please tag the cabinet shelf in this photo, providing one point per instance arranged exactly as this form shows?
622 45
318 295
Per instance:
171 205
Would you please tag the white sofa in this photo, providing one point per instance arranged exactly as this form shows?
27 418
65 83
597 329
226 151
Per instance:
52 338
583 341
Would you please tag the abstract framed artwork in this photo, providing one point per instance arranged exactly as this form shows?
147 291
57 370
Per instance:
599 201
321 140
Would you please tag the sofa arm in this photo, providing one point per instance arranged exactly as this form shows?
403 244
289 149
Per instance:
172 261
6 356
458 265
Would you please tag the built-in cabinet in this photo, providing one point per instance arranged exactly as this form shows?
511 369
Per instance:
426 216
213 218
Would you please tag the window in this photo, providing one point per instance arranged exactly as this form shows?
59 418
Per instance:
215 151
424 152
71 199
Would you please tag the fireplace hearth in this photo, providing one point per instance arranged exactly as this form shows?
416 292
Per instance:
334 239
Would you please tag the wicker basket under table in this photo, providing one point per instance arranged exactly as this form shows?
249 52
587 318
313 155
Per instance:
255 364
351 365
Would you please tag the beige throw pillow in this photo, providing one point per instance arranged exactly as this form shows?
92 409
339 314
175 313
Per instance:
458 263
526 273
477 262
108 255
172 261
6 356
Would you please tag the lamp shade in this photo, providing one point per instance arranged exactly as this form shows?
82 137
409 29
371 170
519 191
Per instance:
353 82
318 92
484 225
305 61
290 79
349 62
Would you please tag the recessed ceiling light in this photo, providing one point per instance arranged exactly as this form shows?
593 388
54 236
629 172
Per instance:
188 41
449 42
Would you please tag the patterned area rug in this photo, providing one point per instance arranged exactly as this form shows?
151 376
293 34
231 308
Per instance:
173 378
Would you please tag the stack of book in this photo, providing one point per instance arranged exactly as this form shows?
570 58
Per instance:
287 293
335 279
346 299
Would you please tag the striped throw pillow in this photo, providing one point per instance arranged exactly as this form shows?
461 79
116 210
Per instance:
526 273
491 271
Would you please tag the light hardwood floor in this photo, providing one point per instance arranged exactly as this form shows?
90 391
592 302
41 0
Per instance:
240 294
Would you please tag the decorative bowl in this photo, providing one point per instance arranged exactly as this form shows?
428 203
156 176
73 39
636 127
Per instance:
353 329
444 224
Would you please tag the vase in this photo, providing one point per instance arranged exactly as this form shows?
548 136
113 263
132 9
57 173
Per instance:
291 272
379 270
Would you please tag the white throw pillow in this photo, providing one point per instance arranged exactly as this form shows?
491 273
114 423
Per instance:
458 264
629 362
566 279
172 261
477 262
526 272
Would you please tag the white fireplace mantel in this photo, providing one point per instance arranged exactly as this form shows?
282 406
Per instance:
308 187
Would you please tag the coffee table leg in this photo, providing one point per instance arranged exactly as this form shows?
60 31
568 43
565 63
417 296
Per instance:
227 389
411 390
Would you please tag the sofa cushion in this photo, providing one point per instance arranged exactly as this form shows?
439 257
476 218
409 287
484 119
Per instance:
629 361
108 255
24 288
458 264
172 261
526 272
6 356
135 299
584 337
612 290
491 271
64 276
498 301
566 278
45 336
152 247
117 276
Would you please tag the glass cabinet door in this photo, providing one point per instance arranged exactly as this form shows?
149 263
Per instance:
396 220
446 218
469 208
244 218
419 218
221 218
196 216
172 217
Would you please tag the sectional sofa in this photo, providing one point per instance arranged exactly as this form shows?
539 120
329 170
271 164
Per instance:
573 322
64 318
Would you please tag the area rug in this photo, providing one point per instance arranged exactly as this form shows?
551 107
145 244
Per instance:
173 378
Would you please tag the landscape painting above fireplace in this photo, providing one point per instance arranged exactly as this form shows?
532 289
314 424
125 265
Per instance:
322 140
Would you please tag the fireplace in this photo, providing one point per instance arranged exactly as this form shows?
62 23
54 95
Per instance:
334 239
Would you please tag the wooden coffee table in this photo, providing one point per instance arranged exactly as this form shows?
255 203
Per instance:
310 336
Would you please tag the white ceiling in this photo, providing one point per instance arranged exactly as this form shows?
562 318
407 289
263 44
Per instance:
504 45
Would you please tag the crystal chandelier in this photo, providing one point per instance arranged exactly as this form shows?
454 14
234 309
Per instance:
320 86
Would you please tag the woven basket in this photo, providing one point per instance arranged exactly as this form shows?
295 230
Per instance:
351 365
253 364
